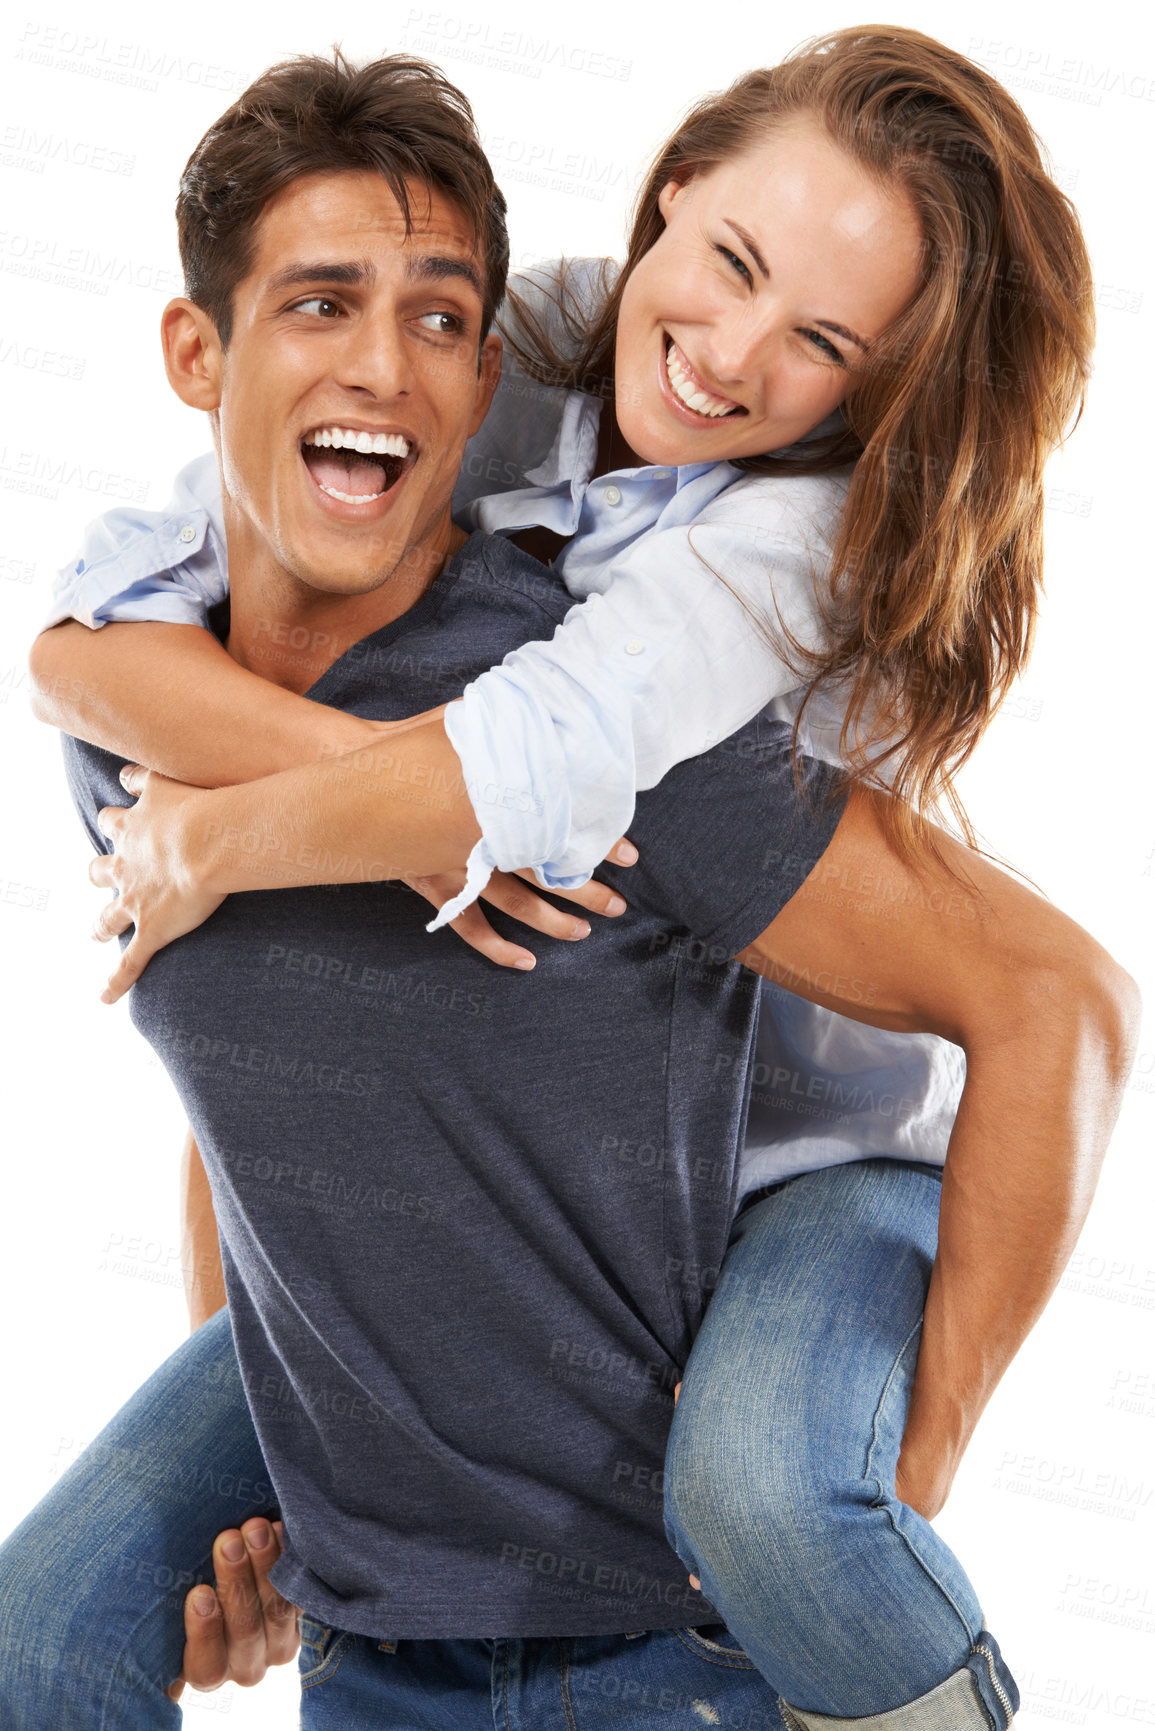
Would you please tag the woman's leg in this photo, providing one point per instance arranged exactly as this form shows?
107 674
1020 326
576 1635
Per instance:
93 1582
780 1468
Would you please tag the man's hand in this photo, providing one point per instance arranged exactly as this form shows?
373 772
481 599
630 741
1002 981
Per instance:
157 892
234 1634
923 1485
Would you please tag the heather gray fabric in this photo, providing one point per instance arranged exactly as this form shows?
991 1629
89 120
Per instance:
470 1217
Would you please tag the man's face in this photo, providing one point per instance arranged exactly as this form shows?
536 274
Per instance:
347 331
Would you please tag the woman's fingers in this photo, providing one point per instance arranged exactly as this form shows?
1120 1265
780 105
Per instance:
598 898
471 927
516 898
134 959
112 919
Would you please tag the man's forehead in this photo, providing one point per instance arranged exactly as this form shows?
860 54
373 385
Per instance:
358 210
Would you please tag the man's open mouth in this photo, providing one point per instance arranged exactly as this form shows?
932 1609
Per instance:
354 466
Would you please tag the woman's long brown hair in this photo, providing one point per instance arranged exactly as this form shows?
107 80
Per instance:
936 572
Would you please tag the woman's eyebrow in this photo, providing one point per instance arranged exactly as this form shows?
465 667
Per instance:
827 325
749 243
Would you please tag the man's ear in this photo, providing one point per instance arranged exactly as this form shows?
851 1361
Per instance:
488 374
192 354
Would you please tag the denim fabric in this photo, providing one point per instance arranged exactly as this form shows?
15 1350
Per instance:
780 1467
850 1603
660 1680
93 1582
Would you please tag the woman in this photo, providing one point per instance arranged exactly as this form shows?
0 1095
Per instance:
956 540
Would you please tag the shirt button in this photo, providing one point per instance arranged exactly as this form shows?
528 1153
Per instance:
612 496
634 646
660 474
188 533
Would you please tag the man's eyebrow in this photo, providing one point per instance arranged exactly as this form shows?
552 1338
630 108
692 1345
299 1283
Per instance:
827 325
435 267
344 273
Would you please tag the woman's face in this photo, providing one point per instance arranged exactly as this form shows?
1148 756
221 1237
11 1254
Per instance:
745 323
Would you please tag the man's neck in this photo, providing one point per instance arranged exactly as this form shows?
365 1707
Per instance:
290 634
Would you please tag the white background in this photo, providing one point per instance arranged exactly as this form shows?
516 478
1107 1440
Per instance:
1054 1510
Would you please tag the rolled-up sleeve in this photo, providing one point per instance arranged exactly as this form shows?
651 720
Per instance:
689 641
169 566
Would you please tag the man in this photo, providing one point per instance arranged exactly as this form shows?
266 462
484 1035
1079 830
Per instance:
457 1314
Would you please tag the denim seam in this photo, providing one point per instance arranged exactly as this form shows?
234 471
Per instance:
671 1307
318 1646
117 1677
882 1493
330 1663
728 1658
505 1684
563 1679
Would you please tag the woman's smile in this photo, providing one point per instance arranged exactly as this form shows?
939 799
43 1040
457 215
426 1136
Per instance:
739 328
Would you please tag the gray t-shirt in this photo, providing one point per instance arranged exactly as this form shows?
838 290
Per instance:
470 1218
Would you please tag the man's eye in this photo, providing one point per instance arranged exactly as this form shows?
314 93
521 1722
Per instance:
444 324
320 304
732 258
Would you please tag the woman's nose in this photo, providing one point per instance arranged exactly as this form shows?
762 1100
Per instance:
738 348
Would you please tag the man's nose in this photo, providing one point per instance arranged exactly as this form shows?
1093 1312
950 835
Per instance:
375 358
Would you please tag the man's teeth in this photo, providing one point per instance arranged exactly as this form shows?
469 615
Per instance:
348 498
689 393
366 444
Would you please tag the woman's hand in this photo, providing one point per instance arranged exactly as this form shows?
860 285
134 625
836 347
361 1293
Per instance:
510 893
158 893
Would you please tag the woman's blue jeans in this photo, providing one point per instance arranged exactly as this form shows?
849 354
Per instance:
779 1495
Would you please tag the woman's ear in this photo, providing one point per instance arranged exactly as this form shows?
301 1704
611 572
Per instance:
192 354
671 193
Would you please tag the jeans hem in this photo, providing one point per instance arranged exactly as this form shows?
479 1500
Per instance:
980 1697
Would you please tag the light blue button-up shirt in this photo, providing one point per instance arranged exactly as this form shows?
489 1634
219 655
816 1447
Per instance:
694 582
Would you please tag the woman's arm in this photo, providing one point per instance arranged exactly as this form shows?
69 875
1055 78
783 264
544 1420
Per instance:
1048 1022
172 697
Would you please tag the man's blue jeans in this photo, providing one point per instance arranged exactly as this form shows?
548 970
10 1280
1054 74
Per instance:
779 1494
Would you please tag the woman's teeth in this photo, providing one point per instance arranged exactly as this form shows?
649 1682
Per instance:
691 394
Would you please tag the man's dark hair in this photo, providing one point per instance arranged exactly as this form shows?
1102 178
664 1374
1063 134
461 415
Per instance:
398 116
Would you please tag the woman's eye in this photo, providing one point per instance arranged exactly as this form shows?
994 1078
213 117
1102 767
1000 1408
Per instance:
732 258
444 324
325 308
825 346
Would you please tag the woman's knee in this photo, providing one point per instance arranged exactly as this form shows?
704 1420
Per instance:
64 1651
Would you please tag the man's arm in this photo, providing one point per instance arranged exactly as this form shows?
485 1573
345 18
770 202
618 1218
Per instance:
1048 1023
204 1281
